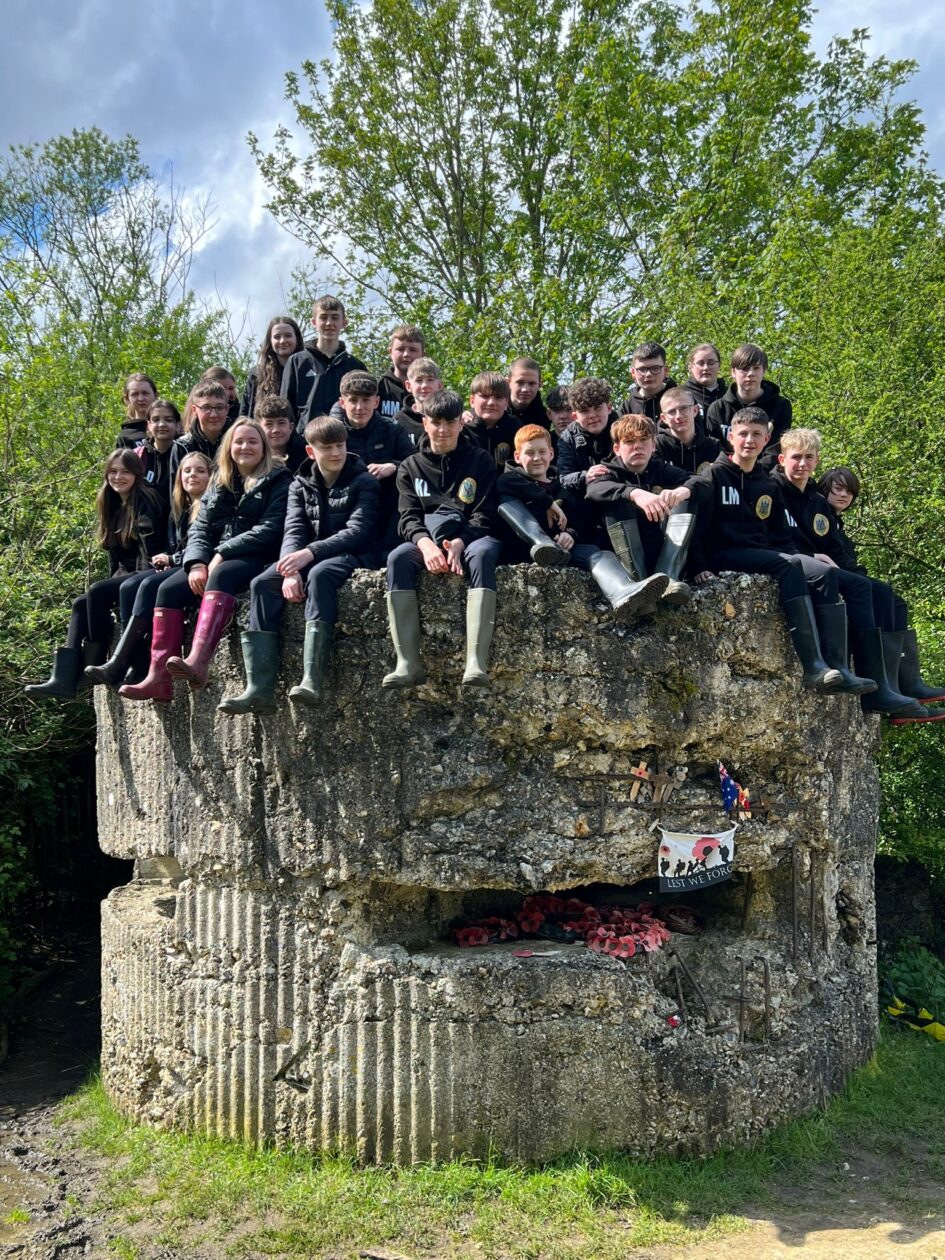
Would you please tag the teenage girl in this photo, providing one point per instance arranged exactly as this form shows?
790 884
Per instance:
132 528
138 594
156 451
283 339
236 535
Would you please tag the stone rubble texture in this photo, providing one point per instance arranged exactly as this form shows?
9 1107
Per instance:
280 968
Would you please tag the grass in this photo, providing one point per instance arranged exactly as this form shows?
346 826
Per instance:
191 1191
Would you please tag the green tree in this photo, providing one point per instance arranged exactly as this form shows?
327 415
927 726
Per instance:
94 258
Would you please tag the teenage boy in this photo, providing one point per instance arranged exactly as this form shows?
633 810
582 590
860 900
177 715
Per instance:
840 487
492 426
741 527
534 506
286 444
525 405
585 443
648 525
330 530
749 388
311 379
558 410
382 444
448 520
648 369
808 515
407 343
424 379
680 439
209 405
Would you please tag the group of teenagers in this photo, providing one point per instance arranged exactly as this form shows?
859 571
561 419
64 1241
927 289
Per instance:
320 468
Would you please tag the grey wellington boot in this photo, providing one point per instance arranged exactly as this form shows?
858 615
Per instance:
261 661
403 614
310 690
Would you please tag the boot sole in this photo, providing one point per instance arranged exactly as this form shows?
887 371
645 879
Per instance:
301 696
180 669
399 682
642 601
230 707
32 693
922 721
550 557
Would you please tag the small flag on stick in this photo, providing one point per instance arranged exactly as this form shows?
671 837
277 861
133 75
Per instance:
733 793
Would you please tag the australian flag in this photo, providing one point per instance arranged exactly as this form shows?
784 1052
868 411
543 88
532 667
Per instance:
732 792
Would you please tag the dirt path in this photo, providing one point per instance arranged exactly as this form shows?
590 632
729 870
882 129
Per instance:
54 1042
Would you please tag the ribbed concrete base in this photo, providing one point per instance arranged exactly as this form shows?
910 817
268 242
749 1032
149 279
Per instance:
224 1013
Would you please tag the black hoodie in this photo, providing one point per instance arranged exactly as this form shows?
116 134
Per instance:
463 482
702 450
811 520
499 440
771 401
703 396
637 405
735 509
533 413
411 421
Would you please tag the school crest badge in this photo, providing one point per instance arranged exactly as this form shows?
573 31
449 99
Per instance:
821 525
467 490
763 507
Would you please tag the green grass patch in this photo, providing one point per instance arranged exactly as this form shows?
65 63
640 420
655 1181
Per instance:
289 1204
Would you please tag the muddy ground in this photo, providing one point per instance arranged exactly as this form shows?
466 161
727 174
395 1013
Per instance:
54 1044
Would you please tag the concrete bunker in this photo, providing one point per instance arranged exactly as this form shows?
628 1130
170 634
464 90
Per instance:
283 967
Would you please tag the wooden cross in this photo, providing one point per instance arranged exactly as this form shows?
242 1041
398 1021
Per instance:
642 775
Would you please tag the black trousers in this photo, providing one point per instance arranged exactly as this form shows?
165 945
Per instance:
231 577
322 582
405 564
91 617
796 576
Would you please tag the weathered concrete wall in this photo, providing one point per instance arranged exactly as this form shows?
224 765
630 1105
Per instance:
292 980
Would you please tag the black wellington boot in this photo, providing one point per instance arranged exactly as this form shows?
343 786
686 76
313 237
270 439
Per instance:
543 550
112 672
802 627
832 628
911 682
64 679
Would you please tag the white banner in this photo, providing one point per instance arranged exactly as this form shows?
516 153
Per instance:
694 861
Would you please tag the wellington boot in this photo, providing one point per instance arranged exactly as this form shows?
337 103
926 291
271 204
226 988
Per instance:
627 598
877 657
802 627
216 611
624 535
672 557
167 637
318 635
403 615
261 660
832 628
64 679
543 550
113 671
480 624
911 682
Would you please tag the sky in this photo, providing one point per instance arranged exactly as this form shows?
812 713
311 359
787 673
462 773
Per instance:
189 80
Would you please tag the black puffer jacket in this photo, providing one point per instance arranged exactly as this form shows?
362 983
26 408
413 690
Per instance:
194 440
335 520
238 524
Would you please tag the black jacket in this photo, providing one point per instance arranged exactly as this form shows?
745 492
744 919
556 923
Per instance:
312 382
703 396
534 413
251 388
393 395
735 509
636 405
381 441
703 450
464 482
177 533
150 536
499 441
237 524
335 520
772 402
538 496
188 443
845 555
411 421
157 468
578 451
811 520
658 475
131 434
